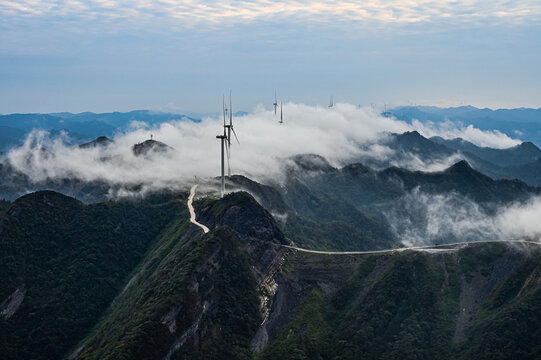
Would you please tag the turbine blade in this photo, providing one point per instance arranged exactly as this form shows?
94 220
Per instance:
234 133
223 106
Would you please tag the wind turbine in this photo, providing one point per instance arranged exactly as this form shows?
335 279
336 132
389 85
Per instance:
275 103
223 139
281 114
331 103
226 140
230 129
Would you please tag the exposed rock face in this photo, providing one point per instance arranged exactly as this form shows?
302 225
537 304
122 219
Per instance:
475 289
260 234
306 272
458 302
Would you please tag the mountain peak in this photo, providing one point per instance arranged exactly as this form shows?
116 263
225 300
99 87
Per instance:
242 213
143 148
528 145
99 141
311 162
412 134
460 166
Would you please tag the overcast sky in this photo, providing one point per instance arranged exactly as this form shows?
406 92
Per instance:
180 55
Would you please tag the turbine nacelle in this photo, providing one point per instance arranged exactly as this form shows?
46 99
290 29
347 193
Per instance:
275 103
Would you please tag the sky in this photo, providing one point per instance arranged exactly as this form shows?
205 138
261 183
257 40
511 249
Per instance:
182 55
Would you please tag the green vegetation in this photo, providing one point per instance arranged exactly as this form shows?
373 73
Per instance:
136 280
71 259
329 235
204 283
303 337
406 306
324 220
129 280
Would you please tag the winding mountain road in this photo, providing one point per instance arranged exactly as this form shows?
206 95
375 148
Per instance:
192 211
427 248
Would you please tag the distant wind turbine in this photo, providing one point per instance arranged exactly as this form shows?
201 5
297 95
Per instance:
281 114
331 102
275 103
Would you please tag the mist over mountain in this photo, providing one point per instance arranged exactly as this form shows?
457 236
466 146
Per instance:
522 123
343 233
79 127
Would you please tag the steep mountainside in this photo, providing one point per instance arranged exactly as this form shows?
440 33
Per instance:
137 280
196 296
318 220
411 149
478 301
63 262
342 194
521 154
524 123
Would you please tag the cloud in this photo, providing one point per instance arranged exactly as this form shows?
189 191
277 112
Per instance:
195 13
520 220
420 219
450 130
264 143
341 134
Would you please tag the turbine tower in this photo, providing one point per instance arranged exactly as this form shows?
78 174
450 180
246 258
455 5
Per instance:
275 103
331 102
223 139
226 140
281 114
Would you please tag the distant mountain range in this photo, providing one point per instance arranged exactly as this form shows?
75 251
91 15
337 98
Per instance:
519 162
521 123
80 127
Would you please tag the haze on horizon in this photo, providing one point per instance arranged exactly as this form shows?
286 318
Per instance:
177 55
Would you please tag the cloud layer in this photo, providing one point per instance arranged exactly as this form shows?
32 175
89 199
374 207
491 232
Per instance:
341 134
450 130
424 219
191 13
